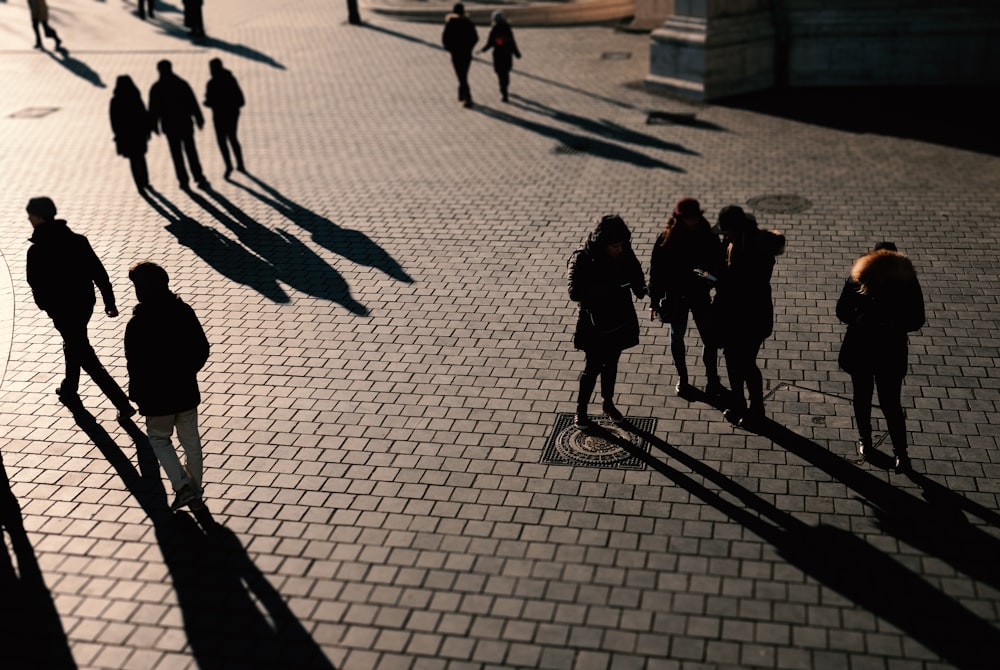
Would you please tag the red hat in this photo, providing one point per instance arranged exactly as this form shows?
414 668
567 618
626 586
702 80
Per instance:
687 207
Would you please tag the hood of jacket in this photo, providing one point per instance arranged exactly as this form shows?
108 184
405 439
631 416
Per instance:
882 268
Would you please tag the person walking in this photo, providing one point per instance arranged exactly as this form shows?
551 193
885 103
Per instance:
459 39
62 271
40 17
131 128
501 40
603 276
687 259
174 109
147 7
193 19
744 309
881 302
165 348
225 98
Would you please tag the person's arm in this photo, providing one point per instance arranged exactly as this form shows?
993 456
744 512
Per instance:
100 277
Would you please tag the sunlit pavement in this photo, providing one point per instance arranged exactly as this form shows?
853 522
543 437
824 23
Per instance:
385 296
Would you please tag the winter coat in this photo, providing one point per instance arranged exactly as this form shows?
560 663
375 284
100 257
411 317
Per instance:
880 303
39 10
674 261
130 124
173 107
62 270
743 309
603 287
501 40
459 36
165 347
223 94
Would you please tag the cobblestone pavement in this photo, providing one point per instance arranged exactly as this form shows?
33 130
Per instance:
391 354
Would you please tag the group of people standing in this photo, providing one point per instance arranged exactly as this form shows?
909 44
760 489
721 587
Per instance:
174 110
459 39
165 345
725 285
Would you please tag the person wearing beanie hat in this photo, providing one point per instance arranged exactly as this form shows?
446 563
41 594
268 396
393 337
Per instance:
501 40
165 347
744 309
62 271
881 303
603 276
459 39
686 261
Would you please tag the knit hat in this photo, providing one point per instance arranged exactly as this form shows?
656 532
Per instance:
687 207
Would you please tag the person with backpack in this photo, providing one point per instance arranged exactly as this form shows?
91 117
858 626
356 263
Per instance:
603 276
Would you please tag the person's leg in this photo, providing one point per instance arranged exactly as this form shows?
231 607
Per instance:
734 353
38 36
140 173
235 142
709 352
754 379
588 380
192 155
675 334
190 440
609 375
462 64
220 139
177 155
890 390
158 430
503 76
863 385
75 342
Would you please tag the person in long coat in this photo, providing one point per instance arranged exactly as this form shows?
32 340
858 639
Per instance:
501 41
459 39
603 277
687 260
224 97
131 127
881 302
744 309
40 17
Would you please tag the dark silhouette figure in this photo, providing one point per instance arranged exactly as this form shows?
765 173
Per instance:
130 124
193 20
174 109
459 38
147 7
62 270
501 40
165 347
225 98
744 308
687 259
880 303
40 17
603 275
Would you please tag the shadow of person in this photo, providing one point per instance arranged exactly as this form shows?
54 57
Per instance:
209 42
580 143
603 128
295 264
31 632
77 67
935 525
227 257
353 245
233 616
838 559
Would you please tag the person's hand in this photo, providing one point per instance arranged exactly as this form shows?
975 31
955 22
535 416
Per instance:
111 311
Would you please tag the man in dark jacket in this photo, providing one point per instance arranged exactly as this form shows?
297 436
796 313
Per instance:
165 347
62 270
173 108
459 38
225 98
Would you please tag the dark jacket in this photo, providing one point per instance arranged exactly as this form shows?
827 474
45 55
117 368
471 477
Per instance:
459 36
603 286
62 270
165 347
880 303
743 307
173 107
130 123
223 94
674 261
501 40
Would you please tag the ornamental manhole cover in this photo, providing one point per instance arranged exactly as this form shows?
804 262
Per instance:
779 204
600 448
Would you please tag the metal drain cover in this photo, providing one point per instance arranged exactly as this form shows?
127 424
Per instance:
779 204
616 55
33 112
601 448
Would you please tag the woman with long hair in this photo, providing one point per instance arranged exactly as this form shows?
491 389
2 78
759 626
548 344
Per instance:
131 125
